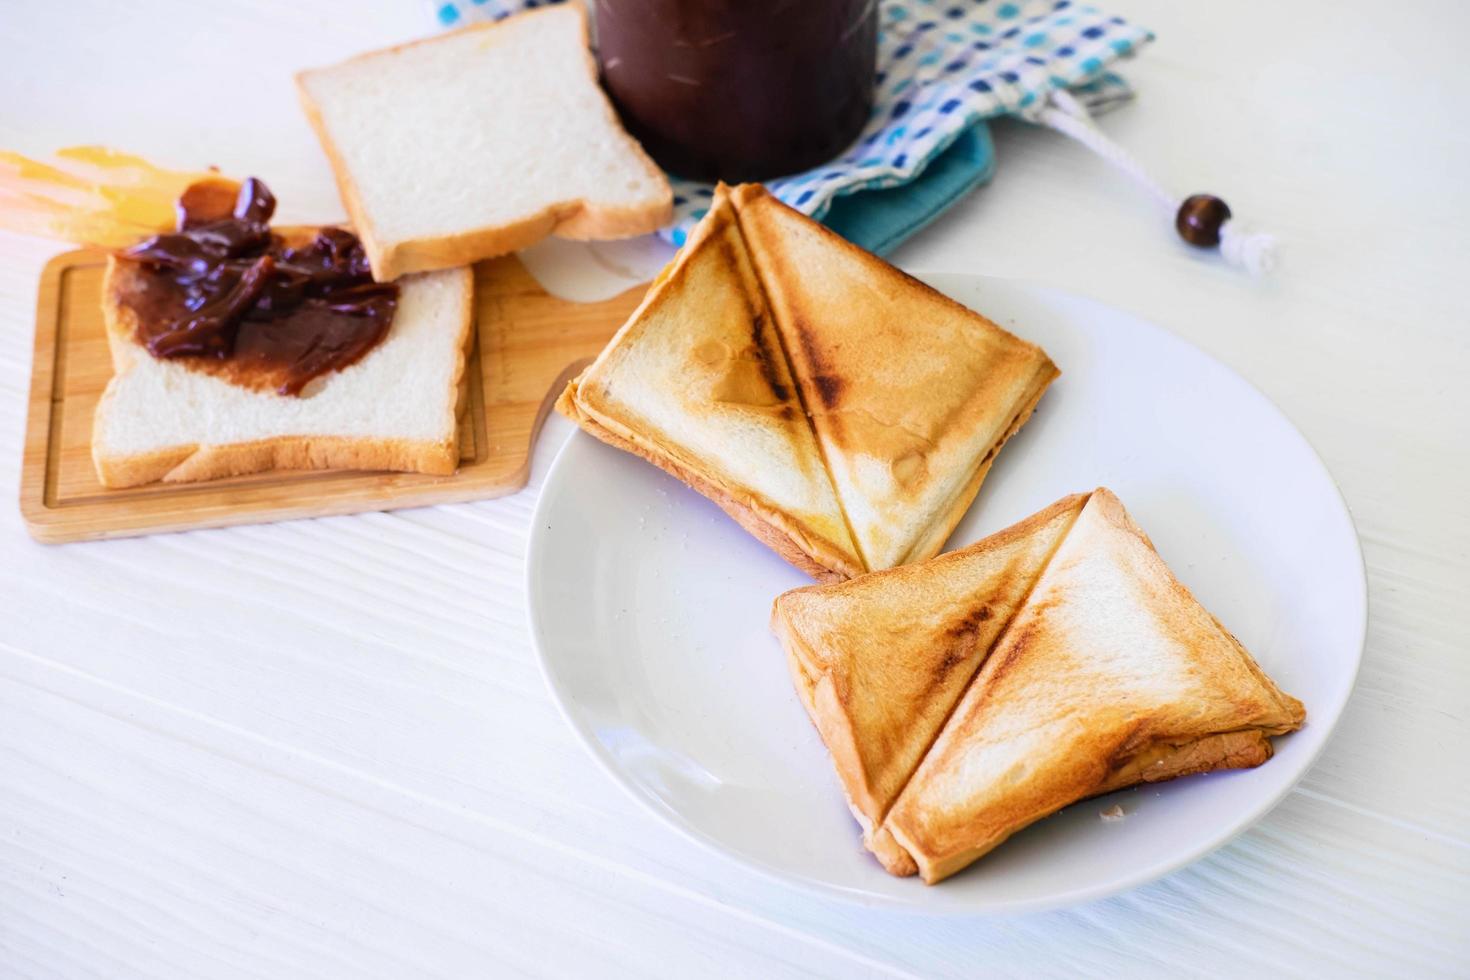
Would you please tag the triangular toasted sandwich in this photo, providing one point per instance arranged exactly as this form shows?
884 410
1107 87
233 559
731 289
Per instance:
911 394
695 383
841 411
881 661
1108 674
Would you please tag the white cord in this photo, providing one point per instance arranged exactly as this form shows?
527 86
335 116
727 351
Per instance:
1254 252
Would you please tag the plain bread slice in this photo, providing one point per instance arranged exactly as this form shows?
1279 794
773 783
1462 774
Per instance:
479 142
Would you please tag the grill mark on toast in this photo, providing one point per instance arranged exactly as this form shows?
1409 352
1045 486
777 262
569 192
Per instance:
1012 655
766 360
965 631
964 634
829 388
759 351
806 409
832 388
825 378
1015 649
971 621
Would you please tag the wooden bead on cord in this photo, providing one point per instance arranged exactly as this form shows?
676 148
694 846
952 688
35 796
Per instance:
1200 219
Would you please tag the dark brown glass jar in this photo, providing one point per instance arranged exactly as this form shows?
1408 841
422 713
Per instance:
739 89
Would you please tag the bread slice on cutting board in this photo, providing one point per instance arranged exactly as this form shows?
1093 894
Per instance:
394 409
481 141
1109 673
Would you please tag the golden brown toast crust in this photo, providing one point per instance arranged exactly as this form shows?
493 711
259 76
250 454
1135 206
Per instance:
930 546
761 527
195 463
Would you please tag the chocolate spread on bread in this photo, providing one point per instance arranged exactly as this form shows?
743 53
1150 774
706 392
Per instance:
226 295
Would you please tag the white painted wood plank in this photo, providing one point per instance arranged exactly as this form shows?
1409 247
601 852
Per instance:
227 827
323 747
215 861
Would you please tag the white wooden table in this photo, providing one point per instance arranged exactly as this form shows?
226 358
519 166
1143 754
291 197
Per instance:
323 748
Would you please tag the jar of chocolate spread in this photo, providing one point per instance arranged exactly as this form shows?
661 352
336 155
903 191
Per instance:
739 90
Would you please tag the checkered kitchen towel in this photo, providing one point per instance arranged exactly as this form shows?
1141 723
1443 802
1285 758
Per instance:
944 66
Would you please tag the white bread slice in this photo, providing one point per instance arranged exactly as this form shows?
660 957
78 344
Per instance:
392 410
479 142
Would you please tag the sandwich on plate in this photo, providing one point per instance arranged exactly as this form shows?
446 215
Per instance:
965 697
839 410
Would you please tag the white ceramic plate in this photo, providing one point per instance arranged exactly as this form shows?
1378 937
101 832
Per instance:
649 609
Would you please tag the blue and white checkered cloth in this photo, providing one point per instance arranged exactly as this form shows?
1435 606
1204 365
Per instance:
943 67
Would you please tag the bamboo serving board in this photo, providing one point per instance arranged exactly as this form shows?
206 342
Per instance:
525 346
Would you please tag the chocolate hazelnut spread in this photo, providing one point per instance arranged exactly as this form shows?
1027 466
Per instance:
225 295
739 90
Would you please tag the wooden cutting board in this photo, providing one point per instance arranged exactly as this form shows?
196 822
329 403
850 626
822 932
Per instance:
527 343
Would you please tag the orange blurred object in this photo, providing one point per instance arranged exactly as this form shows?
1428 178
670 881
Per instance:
93 195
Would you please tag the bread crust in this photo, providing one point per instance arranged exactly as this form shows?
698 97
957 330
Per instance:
1224 750
194 463
931 545
579 219
204 461
762 529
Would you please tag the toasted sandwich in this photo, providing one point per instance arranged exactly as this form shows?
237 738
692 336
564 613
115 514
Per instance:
841 411
695 382
911 394
966 697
